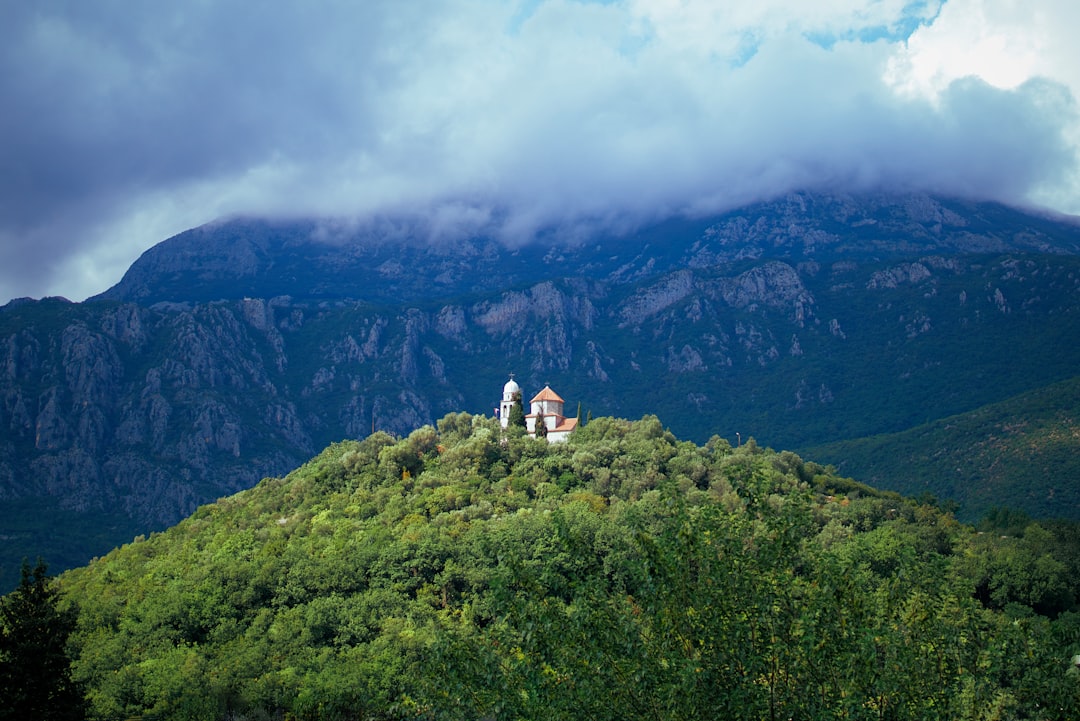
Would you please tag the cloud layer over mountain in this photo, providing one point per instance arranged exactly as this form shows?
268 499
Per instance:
126 122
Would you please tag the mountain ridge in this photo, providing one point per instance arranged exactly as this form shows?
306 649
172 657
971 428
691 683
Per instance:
798 336
308 258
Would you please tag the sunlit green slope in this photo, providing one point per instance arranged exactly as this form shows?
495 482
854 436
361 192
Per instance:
466 573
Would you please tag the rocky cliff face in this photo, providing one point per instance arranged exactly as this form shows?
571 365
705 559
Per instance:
236 351
146 411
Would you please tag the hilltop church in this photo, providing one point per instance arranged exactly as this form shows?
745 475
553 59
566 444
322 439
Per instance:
546 408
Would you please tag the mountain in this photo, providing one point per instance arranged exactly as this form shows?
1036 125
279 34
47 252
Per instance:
388 263
464 573
1020 453
232 352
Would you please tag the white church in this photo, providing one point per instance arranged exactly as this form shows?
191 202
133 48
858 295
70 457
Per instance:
545 407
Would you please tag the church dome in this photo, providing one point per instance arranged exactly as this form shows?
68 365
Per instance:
510 388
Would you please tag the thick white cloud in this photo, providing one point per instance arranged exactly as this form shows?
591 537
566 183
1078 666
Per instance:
125 123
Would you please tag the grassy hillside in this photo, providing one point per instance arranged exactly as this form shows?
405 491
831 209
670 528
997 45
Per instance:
459 574
1022 453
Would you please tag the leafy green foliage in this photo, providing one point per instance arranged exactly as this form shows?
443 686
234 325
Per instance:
541 426
35 672
469 572
517 412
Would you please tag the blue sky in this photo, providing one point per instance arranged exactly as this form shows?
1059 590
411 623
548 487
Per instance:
125 123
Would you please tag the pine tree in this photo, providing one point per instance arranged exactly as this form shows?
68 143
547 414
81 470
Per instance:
517 413
541 427
35 671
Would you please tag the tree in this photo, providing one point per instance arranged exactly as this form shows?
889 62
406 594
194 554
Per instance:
35 672
517 412
541 426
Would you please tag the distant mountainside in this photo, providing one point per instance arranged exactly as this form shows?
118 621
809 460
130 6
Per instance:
234 351
1023 452
390 263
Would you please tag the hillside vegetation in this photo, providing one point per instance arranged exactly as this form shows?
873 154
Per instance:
237 350
1020 453
460 573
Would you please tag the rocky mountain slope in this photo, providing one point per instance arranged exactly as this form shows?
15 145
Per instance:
234 351
397 262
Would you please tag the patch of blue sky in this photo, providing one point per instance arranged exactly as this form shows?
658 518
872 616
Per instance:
915 15
527 8
749 43
632 45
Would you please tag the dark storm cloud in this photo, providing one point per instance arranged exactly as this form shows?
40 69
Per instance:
106 102
125 122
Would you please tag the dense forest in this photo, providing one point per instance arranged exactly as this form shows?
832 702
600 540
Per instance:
1022 453
467 572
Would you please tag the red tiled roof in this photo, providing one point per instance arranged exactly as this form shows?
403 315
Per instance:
547 395
566 426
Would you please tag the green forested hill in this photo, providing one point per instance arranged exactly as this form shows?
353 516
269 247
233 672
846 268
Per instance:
1020 453
237 350
461 574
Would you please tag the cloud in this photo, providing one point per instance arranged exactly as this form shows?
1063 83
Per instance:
126 124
